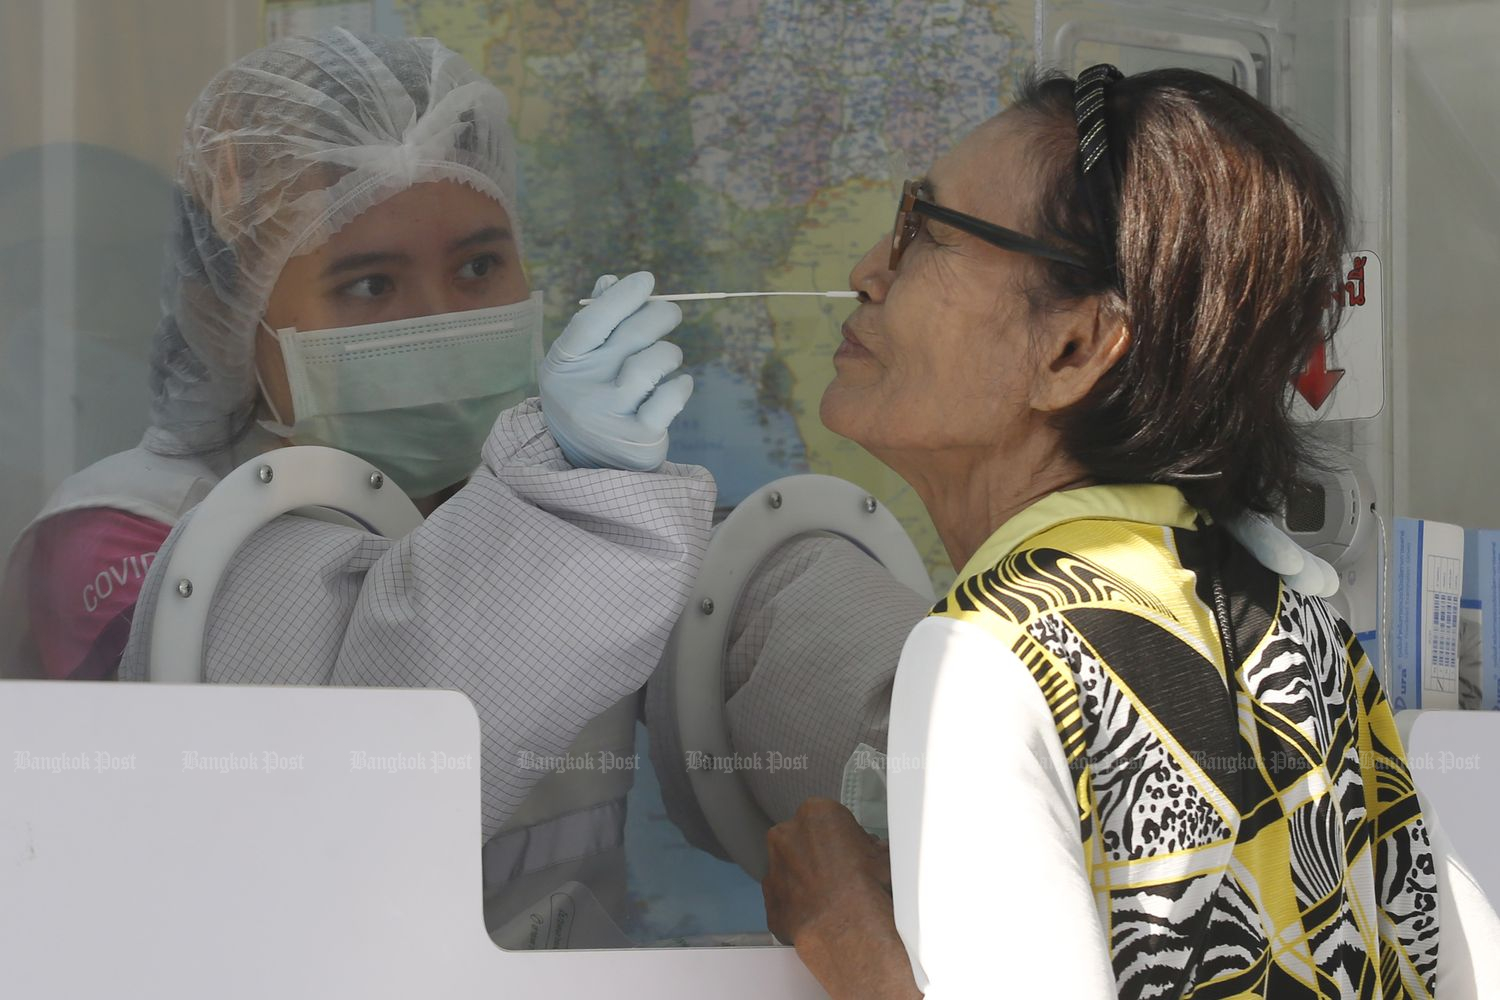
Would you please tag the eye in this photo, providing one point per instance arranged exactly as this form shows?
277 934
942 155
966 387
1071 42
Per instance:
927 237
371 286
936 237
480 266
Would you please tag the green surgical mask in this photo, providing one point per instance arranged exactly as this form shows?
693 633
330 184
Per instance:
415 398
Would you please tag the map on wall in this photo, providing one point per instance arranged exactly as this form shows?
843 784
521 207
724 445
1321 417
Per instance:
725 145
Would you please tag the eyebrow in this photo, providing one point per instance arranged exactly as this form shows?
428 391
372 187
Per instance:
360 261
487 236
482 237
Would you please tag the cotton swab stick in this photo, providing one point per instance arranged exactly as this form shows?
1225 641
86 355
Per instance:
700 296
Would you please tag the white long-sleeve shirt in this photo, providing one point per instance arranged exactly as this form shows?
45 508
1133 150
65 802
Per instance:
1072 811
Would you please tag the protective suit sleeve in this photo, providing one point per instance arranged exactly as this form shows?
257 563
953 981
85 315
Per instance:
282 607
807 676
544 593
977 780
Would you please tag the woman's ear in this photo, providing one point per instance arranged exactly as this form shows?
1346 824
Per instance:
1080 345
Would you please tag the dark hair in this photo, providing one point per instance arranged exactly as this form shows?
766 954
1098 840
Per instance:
1231 231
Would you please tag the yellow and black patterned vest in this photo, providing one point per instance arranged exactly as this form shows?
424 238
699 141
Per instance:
1260 838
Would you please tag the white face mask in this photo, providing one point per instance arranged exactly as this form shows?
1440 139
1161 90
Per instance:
863 790
413 397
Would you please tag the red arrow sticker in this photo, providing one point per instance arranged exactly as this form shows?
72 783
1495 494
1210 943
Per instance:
1317 381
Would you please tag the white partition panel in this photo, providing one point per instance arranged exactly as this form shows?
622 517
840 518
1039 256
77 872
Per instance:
1454 758
211 841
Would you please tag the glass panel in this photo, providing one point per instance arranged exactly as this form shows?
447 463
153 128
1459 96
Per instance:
722 149
722 146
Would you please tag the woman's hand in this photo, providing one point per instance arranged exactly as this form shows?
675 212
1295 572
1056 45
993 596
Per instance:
828 892
606 395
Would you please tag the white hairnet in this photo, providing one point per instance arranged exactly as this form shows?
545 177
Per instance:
280 151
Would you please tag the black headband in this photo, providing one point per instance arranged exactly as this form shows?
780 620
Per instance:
1094 160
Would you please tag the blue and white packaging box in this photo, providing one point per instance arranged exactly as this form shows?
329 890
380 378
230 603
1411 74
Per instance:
1429 567
1479 621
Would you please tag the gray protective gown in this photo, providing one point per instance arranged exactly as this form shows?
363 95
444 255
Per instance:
544 593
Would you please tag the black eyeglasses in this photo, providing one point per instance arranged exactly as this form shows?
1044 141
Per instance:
915 207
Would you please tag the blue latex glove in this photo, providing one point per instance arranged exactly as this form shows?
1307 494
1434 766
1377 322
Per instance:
602 391
1272 548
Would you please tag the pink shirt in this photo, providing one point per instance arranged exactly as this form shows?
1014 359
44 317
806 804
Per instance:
86 572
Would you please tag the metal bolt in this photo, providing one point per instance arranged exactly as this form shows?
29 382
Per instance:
184 587
377 480
774 499
871 505
265 473
707 605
